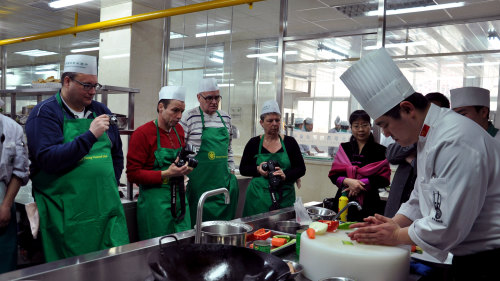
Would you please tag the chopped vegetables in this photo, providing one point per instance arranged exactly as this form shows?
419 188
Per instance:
416 249
287 237
346 225
278 242
311 233
319 227
262 234
332 225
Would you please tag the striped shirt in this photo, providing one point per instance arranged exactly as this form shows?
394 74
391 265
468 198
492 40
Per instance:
191 123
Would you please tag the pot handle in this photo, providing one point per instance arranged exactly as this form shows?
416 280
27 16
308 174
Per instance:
165 237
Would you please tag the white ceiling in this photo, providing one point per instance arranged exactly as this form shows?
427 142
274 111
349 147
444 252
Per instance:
457 30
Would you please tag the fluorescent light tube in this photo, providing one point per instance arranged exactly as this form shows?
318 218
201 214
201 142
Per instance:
218 54
175 35
207 34
397 45
64 3
35 53
270 54
418 9
215 59
226 85
83 50
116 56
483 63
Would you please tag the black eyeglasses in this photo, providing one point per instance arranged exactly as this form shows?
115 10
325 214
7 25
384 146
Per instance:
88 86
211 98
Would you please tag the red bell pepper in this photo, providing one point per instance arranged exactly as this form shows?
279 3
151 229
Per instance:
262 234
332 225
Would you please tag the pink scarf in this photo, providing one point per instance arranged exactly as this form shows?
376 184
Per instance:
341 163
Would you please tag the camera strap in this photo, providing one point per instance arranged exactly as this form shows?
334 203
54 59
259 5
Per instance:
275 202
177 183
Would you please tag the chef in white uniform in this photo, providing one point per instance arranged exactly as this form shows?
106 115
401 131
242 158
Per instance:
455 205
14 172
474 103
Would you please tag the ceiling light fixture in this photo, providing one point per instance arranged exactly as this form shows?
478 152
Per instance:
331 52
397 45
216 59
35 53
65 3
207 34
116 56
483 63
175 35
83 50
418 9
262 55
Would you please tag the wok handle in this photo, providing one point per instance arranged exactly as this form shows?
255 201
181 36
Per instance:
165 237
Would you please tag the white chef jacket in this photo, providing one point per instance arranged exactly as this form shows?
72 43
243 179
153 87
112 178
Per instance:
455 205
14 157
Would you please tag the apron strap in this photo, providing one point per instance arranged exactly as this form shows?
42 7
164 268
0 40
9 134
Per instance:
59 101
158 145
203 118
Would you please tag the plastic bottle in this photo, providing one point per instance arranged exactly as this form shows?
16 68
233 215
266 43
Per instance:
343 200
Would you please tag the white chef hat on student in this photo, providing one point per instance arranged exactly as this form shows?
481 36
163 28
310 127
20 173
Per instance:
377 83
81 64
207 85
299 120
270 106
469 96
337 120
172 93
308 121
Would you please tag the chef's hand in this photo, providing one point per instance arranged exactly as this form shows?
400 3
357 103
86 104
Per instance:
100 125
174 171
4 216
378 230
354 186
280 173
261 171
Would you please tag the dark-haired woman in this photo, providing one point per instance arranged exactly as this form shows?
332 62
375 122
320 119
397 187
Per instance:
360 169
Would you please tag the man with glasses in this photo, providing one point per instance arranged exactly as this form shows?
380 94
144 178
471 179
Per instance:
76 163
209 130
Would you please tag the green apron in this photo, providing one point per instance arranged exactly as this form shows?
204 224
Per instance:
258 198
80 210
211 173
154 216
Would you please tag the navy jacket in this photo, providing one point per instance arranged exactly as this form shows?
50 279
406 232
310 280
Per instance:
44 130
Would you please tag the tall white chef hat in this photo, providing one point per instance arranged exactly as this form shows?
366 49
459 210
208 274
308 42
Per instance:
299 120
172 93
377 83
270 106
208 85
81 64
337 120
469 96
308 121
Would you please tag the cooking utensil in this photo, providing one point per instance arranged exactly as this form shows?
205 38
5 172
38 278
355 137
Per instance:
297 268
319 213
225 232
288 226
214 262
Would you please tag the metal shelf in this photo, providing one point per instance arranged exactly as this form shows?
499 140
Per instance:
104 92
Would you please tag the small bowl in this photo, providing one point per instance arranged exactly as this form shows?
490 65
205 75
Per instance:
297 268
288 226
337 279
319 213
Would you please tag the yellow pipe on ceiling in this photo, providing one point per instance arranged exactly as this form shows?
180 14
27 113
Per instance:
131 19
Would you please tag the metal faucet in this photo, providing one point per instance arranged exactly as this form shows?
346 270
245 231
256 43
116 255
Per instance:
347 206
199 210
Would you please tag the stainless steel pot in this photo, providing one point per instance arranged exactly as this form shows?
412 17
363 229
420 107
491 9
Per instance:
225 232
318 213
288 226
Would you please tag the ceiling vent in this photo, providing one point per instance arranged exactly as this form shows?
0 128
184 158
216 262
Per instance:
44 5
356 10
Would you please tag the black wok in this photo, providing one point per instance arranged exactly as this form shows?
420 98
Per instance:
214 262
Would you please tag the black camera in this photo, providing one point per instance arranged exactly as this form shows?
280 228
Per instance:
183 157
270 168
113 121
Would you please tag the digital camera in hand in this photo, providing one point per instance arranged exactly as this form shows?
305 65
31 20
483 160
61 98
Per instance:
270 168
113 121
183 157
